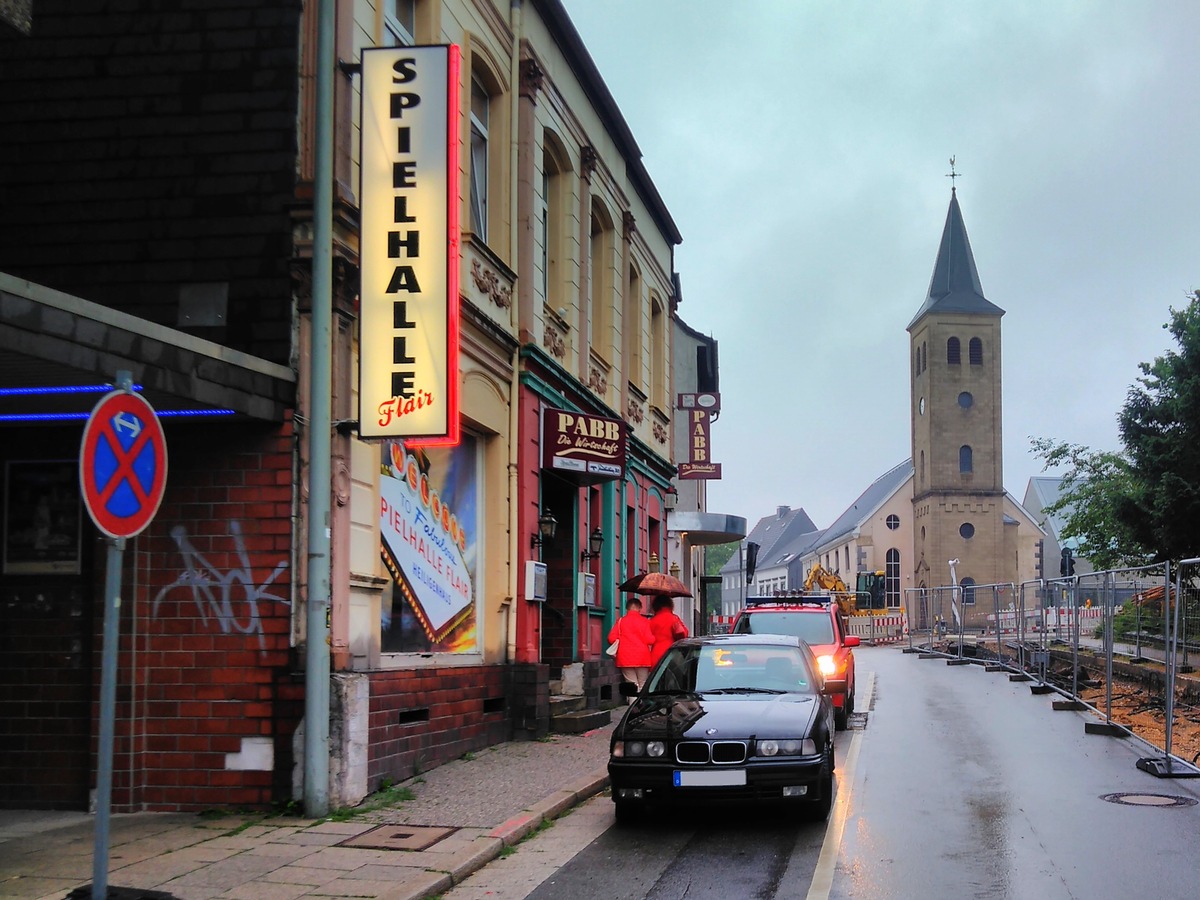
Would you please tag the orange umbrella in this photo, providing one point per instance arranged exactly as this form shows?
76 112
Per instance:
655 584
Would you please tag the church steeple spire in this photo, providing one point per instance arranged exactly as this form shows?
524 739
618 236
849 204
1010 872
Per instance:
955 285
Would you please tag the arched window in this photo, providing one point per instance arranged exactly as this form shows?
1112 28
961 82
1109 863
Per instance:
555 168
922 468
953 352
968 591
600 296
658 353
917 361
965 462
975 352
891 580
631 328
924 357
481 102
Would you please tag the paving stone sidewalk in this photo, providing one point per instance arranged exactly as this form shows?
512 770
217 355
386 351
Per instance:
460 816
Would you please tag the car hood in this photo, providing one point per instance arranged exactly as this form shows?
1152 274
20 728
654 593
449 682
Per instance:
716 716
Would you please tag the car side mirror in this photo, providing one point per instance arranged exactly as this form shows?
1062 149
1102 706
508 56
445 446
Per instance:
851 640
628 689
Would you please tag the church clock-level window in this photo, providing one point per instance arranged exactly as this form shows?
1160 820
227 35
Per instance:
965 462
953 352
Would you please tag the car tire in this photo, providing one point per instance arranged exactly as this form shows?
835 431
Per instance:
841 717
818 810
629 812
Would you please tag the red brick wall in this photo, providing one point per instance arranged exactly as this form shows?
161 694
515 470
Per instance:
422 718
208 661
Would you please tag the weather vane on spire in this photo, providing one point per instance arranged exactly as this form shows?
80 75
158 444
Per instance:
953 175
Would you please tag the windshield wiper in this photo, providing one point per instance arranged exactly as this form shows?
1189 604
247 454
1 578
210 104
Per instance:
744 690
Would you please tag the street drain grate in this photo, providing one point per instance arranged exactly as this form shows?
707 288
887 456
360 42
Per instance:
1163 801
399 837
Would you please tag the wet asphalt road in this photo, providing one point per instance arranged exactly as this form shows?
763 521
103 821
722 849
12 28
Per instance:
962 784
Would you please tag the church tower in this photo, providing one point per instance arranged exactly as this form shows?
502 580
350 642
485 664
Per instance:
958 470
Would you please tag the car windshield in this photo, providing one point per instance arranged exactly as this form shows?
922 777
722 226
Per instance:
736 668
811 627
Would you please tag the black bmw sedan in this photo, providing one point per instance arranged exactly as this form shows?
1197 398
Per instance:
728 717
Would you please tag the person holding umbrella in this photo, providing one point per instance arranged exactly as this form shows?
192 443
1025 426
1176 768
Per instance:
665 625
634 639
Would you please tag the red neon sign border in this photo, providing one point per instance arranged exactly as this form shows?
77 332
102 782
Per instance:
453 251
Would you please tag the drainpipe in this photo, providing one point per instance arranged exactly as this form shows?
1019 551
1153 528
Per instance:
515 550
316 674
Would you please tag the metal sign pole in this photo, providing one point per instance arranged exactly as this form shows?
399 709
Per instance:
108 711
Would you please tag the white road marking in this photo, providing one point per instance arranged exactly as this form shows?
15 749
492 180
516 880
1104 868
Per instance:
822 882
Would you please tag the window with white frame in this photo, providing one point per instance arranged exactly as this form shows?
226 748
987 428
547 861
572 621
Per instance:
400 23
658 353
631 327
480 114
600 295
891 580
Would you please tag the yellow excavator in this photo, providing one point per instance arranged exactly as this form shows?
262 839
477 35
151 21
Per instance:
822 580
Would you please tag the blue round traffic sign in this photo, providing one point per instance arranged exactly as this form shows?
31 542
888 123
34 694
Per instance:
123 464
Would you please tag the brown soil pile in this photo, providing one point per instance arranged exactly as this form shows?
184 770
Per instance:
1143 713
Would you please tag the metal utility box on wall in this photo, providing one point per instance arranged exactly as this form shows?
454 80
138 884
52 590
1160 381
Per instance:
535 581
586 590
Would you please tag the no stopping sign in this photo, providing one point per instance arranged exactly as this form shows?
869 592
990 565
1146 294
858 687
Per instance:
123 464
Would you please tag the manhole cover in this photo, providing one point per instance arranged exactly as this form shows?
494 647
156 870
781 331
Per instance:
399 837
1160 800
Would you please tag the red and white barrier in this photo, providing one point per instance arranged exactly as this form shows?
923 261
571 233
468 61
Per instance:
877 629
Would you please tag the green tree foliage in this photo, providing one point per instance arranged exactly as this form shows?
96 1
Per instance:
1142 504
1095 488
1160 429
717 555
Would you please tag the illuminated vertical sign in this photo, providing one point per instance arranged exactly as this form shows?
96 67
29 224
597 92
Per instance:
409 201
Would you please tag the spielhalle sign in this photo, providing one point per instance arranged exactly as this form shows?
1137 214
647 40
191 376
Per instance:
408 363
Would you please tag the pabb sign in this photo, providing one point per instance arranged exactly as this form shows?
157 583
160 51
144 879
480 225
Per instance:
699 409
408 364
592 447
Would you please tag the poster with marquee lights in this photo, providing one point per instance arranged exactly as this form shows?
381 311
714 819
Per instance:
409 202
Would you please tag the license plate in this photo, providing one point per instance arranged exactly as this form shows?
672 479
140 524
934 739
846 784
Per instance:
710 778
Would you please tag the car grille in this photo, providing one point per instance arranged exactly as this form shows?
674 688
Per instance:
723 753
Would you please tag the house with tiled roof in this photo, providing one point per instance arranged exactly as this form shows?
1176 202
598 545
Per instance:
769 533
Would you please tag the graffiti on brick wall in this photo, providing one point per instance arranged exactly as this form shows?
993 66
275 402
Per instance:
229 598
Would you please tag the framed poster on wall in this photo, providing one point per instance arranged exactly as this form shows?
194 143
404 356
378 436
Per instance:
42 517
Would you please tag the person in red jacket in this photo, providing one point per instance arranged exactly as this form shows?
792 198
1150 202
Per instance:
632 631
666 627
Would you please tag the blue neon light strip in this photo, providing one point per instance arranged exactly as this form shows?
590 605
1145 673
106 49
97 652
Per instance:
69 417
68 389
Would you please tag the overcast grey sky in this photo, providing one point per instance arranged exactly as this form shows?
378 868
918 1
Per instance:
801 147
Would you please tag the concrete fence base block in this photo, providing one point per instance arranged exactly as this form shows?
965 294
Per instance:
995 669
1105 729
958 662
1041 689
1067 705
929 656
1021 676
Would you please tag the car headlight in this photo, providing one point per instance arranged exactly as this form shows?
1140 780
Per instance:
633 749
826 665
787 747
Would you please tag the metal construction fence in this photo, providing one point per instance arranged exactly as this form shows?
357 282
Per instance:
1131 630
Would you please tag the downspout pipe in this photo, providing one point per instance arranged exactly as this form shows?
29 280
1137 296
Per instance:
316 674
